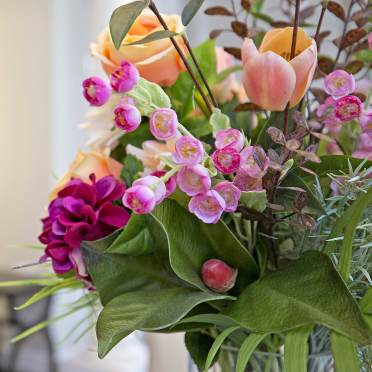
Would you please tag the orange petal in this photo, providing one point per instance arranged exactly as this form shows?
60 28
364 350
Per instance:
269 80
304 66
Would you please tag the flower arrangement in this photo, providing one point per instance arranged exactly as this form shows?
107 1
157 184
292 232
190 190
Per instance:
227 200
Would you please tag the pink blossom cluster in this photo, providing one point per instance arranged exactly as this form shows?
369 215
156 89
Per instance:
341 107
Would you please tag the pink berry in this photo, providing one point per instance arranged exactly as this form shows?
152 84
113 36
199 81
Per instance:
218 276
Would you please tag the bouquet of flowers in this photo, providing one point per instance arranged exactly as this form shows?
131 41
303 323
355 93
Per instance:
226 192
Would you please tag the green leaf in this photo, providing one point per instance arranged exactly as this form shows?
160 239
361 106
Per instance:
344 353
131 167
305 292
137 137
192 242
146 310
275 120
198 345
190 9
213 319
217 344
296 349
157 35
366 302
254 199
134 239
348 137
219 121
247 349
364 55
123 18
227 72
30 282
345 226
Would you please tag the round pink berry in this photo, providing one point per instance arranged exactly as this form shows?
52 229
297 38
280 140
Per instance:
155 184
230 138
170 185
127 117
348 108
140 199
96 91
163 124
339 83
188 151
230 193
218 275
226 160
125 78
254 161
208 207
194 179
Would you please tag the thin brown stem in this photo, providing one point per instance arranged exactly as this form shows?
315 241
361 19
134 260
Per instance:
285 127
188 46
155 10
320 22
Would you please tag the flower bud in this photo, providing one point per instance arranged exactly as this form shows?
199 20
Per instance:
348 108
229 138
254 162
96 91
127 117
170 185
163 124
125 78
207 207
339 84
218 276
226 160
140 199
230 194
188 151
193 180
155 184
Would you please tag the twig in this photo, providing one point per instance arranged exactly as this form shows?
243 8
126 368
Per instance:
155 10
188 46
320 22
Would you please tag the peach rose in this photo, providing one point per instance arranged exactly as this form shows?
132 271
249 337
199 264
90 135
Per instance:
270 77
156 61
87 163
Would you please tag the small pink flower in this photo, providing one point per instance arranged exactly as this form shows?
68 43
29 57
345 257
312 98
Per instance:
125 78
366 122
370 40
254 161
155 184
127 100
140 199
230 193
96 91
326 112
348 108
226 160
230 138
127 117
170 185
245 182
339 84
194 179
163 124
207 207
188 151
364 147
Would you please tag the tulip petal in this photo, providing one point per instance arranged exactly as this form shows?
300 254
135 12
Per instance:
304 66
249 51
269 80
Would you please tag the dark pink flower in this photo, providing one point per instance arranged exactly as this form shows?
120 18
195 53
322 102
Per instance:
125 78
127 117
226 160
96 91
81 211
348 108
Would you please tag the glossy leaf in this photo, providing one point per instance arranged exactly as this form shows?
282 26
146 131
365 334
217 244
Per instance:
198 345
304 292
246 350
131 168
190 10
123 18
146 310
344 353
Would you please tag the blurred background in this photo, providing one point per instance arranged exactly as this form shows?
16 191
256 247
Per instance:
44 57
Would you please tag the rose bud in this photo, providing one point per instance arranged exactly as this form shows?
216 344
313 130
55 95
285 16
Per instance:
207 207
339 83
125 78
348 108
230 194
226 160
127 117
188 151
218 276
229 138
96 91
140 199
194 180
163 124
155 184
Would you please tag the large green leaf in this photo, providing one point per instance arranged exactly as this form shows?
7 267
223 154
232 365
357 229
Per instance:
123 18
344 353
192 242
147 310
247 349
305 292
198 345
345 226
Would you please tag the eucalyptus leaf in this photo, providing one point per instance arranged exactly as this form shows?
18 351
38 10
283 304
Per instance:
123 18
219 121
190 10
256 200
305 292
154 36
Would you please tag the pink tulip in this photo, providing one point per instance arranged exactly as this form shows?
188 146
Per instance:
271 79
